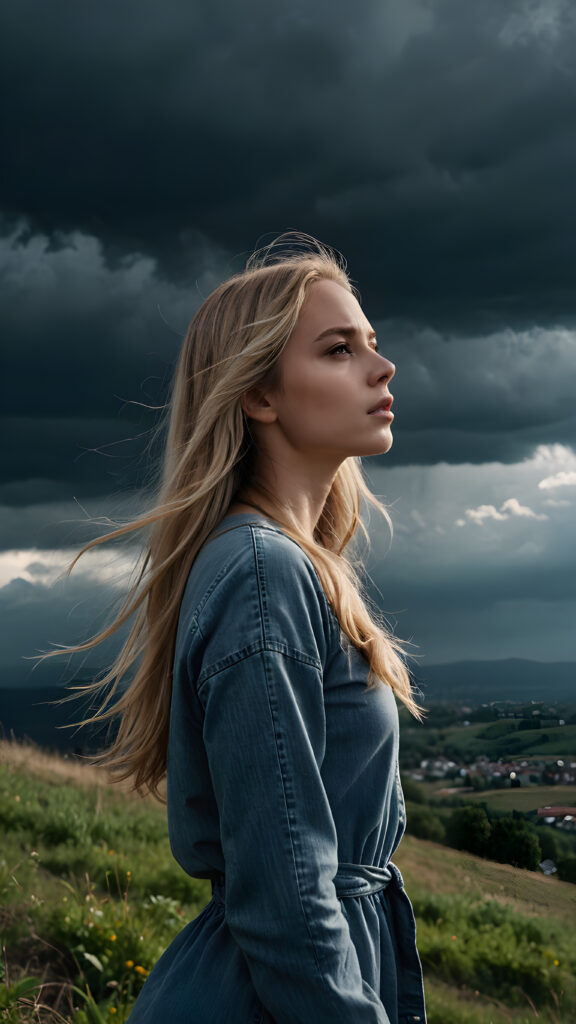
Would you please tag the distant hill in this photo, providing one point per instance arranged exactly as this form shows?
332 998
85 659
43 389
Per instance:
30 711
54 673
36 714
515 679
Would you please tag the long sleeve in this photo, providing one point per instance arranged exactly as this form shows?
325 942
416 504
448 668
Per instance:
264 735
264 738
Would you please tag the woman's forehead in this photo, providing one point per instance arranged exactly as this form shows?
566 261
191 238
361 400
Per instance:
329 304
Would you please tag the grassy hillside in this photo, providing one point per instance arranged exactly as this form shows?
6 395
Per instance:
503 739
91 896
525 799
430 868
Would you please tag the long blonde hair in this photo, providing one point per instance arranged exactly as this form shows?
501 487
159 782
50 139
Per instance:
233 343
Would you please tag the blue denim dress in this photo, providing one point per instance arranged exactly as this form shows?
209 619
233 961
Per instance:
283 789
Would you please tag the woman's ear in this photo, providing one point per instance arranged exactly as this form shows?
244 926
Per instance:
257 406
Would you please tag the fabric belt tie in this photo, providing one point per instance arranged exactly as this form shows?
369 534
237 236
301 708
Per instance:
362 879
350 880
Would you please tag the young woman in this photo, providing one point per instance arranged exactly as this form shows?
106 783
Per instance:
264 687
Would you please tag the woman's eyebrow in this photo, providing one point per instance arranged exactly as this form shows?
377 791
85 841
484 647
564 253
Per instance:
347 332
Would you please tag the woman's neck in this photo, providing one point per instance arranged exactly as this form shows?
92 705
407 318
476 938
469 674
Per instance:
301 507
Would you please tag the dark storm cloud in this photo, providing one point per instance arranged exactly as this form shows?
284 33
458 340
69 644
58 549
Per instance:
480 399
45 515
432 142
39 617
92 350
490 610
148 148
480 562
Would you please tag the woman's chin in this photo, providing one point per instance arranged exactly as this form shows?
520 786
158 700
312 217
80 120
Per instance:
381 446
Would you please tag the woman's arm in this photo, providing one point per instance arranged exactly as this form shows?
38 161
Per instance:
264 732
264 738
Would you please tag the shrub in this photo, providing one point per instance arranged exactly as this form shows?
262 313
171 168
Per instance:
567 869
514 841
425 824
114 944
468 828
486 946
412 791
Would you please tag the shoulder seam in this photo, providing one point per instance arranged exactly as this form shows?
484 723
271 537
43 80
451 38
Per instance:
306 561
261 597
257 647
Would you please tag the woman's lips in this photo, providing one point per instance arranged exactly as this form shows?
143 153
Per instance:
383 408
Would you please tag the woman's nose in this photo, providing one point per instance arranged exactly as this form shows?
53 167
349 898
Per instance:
383 370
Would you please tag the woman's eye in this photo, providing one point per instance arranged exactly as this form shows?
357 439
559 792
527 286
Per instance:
340 349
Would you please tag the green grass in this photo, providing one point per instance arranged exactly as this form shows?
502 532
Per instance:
448 1005
525 799
430 868
502 738
91 897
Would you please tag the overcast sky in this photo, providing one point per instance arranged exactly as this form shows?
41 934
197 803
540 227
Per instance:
148 148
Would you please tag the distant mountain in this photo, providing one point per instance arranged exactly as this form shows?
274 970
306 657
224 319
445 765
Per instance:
516 679
31 711
51 674
38 714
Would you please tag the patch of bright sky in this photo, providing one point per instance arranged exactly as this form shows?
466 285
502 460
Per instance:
466 516
49 567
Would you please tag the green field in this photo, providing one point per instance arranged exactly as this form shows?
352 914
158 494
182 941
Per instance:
91 896
502 738
525 799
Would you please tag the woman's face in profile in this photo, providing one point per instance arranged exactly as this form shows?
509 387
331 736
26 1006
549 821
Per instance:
332 400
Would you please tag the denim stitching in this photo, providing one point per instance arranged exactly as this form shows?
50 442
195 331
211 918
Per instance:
260 578
257 647
289 816
261 570
210 590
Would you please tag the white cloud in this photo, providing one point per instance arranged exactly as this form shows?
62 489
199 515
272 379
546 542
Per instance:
508 508
541 18
42 609
459 592
478 515
545 454
42 283
47 568
418 518
493 493
470 591
513 506
561 479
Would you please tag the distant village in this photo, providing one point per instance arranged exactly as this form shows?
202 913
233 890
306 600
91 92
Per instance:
485 772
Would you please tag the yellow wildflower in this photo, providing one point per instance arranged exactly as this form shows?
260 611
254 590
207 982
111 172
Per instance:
113 937
129 963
